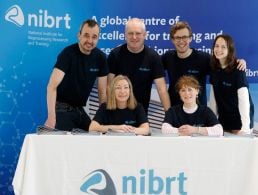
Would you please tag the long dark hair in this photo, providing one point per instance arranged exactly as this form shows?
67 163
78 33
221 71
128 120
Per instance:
231 57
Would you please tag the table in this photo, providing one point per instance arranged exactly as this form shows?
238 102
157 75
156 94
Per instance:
76 164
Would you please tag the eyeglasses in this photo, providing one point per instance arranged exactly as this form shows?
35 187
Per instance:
183 38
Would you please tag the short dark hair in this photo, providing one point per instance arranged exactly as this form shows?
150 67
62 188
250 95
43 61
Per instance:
90 22
178 26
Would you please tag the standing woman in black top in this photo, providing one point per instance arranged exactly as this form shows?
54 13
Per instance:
230 97
122 113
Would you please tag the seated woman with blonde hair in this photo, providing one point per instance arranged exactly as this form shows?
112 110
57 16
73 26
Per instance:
190 117
121 113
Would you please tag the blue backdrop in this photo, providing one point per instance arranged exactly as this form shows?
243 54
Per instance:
34 32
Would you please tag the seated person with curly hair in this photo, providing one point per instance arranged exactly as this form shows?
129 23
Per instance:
190 117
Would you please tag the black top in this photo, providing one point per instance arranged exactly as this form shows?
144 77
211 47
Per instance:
197 64
80 71
141 68
125 116
202 117
225 85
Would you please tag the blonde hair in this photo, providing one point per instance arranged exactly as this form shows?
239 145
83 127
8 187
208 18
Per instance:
111 100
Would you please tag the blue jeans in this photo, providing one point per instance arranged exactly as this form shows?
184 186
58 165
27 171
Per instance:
69 117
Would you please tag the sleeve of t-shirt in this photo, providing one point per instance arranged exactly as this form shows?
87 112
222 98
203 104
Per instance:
241 80
211 78
103 71
141 115
169 116
63 61
112 61
211 118
100 114
208 61
158 70
163 60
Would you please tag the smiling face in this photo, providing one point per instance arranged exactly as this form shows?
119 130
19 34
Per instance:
188 95
221 50
135 35
188 88
88 38
182 39
122 92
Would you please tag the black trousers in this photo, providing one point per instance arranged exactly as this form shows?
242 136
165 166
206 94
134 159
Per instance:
69 117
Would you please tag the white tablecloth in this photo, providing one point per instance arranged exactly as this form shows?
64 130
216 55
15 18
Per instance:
64 164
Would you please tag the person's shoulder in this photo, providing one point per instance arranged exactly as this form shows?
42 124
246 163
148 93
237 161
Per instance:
69 51
203 108
98 51
232 70
118 48
201 54
170 53
152 54
175 108
149 49
72 47
139 106
237 72
103 106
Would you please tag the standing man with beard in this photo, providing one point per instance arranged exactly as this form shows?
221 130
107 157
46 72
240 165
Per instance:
72 80
141 64
187 61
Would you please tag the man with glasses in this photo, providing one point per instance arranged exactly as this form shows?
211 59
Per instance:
141 64
72 79
187 61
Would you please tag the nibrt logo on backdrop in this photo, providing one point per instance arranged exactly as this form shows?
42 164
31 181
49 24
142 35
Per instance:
43 28
100 182
43 19
15 15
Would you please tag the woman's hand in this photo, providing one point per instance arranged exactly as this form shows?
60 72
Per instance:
241 64
126 128
187 130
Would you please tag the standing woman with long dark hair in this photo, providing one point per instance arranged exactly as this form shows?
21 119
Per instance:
230 96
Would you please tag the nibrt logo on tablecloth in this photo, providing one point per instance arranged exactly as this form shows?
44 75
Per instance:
99 182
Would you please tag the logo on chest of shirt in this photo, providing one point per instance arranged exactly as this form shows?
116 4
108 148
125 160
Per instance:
131 122
226 84
193 71
94 69
142 69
